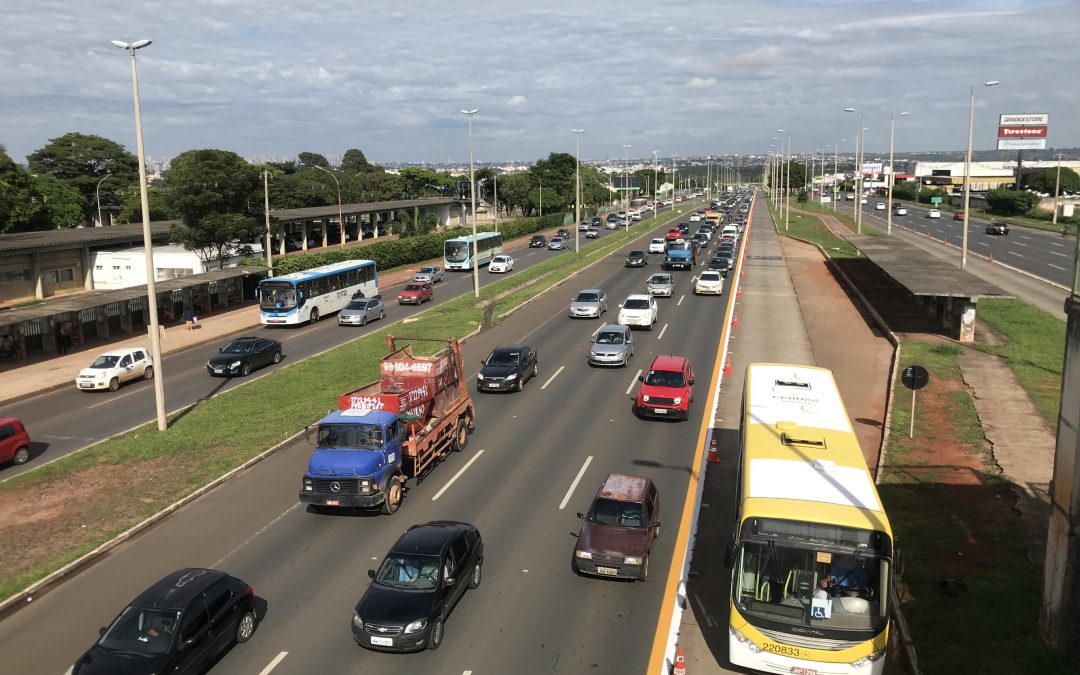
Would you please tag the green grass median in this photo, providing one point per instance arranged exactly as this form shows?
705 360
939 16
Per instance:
810 228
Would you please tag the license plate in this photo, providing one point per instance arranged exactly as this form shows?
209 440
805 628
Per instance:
494 385
333 502
796 670
607 571
661 411
382 642
86 386
219 370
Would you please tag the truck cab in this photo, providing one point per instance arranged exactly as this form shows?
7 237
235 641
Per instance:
680 254
353 451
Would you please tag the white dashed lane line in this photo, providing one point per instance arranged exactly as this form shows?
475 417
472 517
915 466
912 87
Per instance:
561 368
632 381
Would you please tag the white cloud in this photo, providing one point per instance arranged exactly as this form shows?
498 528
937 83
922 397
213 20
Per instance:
701 82
516 101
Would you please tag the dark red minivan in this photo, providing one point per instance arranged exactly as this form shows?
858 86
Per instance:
619 529
14 441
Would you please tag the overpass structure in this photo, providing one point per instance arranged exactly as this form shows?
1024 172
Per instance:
314 226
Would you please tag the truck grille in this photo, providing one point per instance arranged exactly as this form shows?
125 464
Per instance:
341 486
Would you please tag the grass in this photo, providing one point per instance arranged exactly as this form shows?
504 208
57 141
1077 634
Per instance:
810 228
847 220
128 478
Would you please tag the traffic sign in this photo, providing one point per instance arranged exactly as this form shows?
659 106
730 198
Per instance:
914 378
936 200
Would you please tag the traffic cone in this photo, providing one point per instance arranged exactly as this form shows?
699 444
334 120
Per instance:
738 293
727 364
735 321
680 663
714 456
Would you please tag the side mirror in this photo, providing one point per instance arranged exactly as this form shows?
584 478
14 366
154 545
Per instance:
692 380
371 574
640 378
620 305
449 581
307 433
579 515
482 362
101 631
187 643
221 350
729 555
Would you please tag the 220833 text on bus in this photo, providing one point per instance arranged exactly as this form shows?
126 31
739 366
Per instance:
458 252
305 296
812 551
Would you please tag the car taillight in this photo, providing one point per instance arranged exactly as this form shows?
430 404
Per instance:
249 591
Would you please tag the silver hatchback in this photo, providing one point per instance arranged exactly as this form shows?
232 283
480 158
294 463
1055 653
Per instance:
612 346
360 311
661 284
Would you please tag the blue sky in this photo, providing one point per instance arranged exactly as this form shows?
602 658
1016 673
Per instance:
280 77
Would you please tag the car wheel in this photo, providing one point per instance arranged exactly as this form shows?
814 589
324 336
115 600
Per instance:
643 575
382 314
535 370
245 369
520 382
436 634
246 628
277 357
148 374
393 496
314 315
363 320
474 581
114 384
21 456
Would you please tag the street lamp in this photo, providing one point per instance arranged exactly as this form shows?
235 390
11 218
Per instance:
577 189
626 183
148 244
341 219
835 162
787 178
892 168
859 139
1057 193
967 172
101 223
472 195
656 184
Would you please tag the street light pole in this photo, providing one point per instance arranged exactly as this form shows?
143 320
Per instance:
148 244
341 219
626 184
858 170
835 171
577 190
1057 192
655 183
101 223
967 173
472 197
892 168
266 215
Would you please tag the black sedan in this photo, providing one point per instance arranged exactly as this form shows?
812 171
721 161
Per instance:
507 368
417 585
180 624
637 259
243 355
538 241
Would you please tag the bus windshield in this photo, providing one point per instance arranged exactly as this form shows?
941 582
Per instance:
456 251
277 296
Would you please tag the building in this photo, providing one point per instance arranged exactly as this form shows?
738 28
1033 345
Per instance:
124 268
984 175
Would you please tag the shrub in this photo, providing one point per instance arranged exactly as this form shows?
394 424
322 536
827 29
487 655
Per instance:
1010 202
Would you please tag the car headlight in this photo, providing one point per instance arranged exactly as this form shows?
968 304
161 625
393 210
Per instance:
739 637
678 400
234 364
632 560
645 397
357 621
584 555
480 376
416 626
867 660
512 376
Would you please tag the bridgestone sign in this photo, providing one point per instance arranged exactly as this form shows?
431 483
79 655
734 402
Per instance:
1025 131
1041 119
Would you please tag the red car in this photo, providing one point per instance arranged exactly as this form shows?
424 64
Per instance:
415 293
959 215
14 441
666 388
673 233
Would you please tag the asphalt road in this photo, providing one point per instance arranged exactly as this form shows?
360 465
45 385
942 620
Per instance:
515 481
1044 254
66 420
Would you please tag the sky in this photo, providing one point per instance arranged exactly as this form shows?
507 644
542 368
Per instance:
274 78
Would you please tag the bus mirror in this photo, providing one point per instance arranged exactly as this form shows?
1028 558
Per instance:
729 555
898 558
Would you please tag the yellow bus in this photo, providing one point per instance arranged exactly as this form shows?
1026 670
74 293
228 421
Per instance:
812 552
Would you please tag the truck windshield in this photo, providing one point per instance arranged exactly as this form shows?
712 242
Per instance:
278 296
456 251
358 436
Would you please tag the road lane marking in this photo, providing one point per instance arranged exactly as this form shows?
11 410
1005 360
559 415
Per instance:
303 333
1015 254
982 243
1056 243
247 541
273 664
1060 254
573 485
632 381
1023 236
661 335
681 298
457 475
544 386
1057 268
1019 244
597 330
113 398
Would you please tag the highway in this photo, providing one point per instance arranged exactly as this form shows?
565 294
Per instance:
67 419
1046 255
516 481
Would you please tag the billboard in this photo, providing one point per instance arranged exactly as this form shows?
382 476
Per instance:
1040 119
1021 144
1028 131
1023 131
874 167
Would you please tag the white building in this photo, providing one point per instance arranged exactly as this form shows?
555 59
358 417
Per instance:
127 267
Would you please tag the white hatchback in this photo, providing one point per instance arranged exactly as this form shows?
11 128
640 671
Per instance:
501 264
656 246
933 213
638 310
115 367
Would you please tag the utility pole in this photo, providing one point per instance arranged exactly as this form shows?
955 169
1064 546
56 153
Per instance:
1057 194
577 189
892 168
266 214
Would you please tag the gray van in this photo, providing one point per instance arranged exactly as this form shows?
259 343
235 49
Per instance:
613 345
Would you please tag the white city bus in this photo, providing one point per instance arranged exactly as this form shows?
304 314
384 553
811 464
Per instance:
303 297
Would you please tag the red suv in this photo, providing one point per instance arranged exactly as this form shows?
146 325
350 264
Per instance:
666 388
14 441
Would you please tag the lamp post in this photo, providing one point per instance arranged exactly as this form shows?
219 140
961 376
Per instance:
472 196
835 163
148 244
626 184
1057 192
673 181
577 190
101 223
892 169
541 181
341 219
858 169
967 173
787 179
266 217
656 185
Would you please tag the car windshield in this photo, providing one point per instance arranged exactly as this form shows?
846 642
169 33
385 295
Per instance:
609 338
586 297
456 251
503 358
665 378
637 254
106 361
636 303
237 347
414 287
499 259
358 436
660 280
427 270
709 276
357 305
410 572
617 514
141 631
277 296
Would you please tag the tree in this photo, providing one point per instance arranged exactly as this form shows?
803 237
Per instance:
219 236
313 159
306 187
1045 181
423 183
64 206
81 160
904 191
1010 202
131 207
354 162
21 208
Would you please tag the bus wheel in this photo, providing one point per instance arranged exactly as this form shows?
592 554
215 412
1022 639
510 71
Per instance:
314 315
393 496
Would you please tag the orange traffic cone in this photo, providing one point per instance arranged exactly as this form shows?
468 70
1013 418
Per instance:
738 293
727 364
680 663
714 456
735 321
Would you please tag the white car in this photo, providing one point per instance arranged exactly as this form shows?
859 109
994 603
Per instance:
638 310
901 211
880 206
656 246
709 282
933 213
115 367
501 264
862 200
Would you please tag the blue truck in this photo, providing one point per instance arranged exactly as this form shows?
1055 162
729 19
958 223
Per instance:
680 255
386 432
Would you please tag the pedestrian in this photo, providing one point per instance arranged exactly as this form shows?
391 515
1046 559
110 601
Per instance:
189 318
58 335
65 338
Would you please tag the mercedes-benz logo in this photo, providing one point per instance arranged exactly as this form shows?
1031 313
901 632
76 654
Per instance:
335 487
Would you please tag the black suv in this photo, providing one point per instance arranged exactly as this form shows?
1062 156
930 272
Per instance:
417 585
637 259
538 241
180 624
243 355
506 368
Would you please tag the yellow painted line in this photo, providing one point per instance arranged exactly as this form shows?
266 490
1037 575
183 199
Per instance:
671 588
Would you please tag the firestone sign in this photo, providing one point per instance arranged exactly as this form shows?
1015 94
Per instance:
1025 131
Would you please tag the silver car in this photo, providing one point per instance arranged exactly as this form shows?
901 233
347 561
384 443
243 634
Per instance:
429 273
360 311
612 346
588 304
661 283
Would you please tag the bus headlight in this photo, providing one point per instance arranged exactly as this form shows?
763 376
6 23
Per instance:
867 660
742 639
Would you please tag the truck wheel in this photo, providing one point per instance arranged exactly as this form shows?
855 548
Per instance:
461 436
393 496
